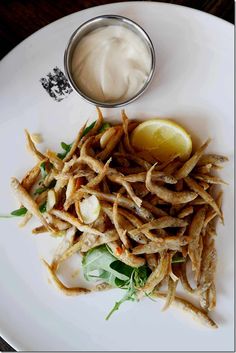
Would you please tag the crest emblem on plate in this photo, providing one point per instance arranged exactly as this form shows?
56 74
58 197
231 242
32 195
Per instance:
56 84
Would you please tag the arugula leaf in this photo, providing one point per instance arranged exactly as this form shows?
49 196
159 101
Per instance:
39 191
109 278
88 128
137 279
61 155
104 127
98 261
20 212
129 295
43 170
42 208
66 149
100 264
16 213
177 259
117 305
122 268
133 284
141 275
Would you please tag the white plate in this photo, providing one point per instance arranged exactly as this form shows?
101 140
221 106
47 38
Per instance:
194 85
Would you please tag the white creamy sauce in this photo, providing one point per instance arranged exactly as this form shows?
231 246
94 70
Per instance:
111 64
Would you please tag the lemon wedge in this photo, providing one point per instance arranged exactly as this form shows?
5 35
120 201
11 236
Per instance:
90 209
163 138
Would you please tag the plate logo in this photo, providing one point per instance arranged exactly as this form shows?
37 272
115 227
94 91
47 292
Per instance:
56 84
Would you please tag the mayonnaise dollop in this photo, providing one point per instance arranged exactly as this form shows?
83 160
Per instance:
111 64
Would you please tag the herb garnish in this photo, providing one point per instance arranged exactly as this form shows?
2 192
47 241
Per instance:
66 149
88 128
20 212
177 259
100 264
43 170
42 208
104 127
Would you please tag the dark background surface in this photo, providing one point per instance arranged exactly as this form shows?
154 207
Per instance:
19 19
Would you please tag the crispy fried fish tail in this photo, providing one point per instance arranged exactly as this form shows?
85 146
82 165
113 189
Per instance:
59 285
186 306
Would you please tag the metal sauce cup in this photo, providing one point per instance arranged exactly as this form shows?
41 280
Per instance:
98 22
